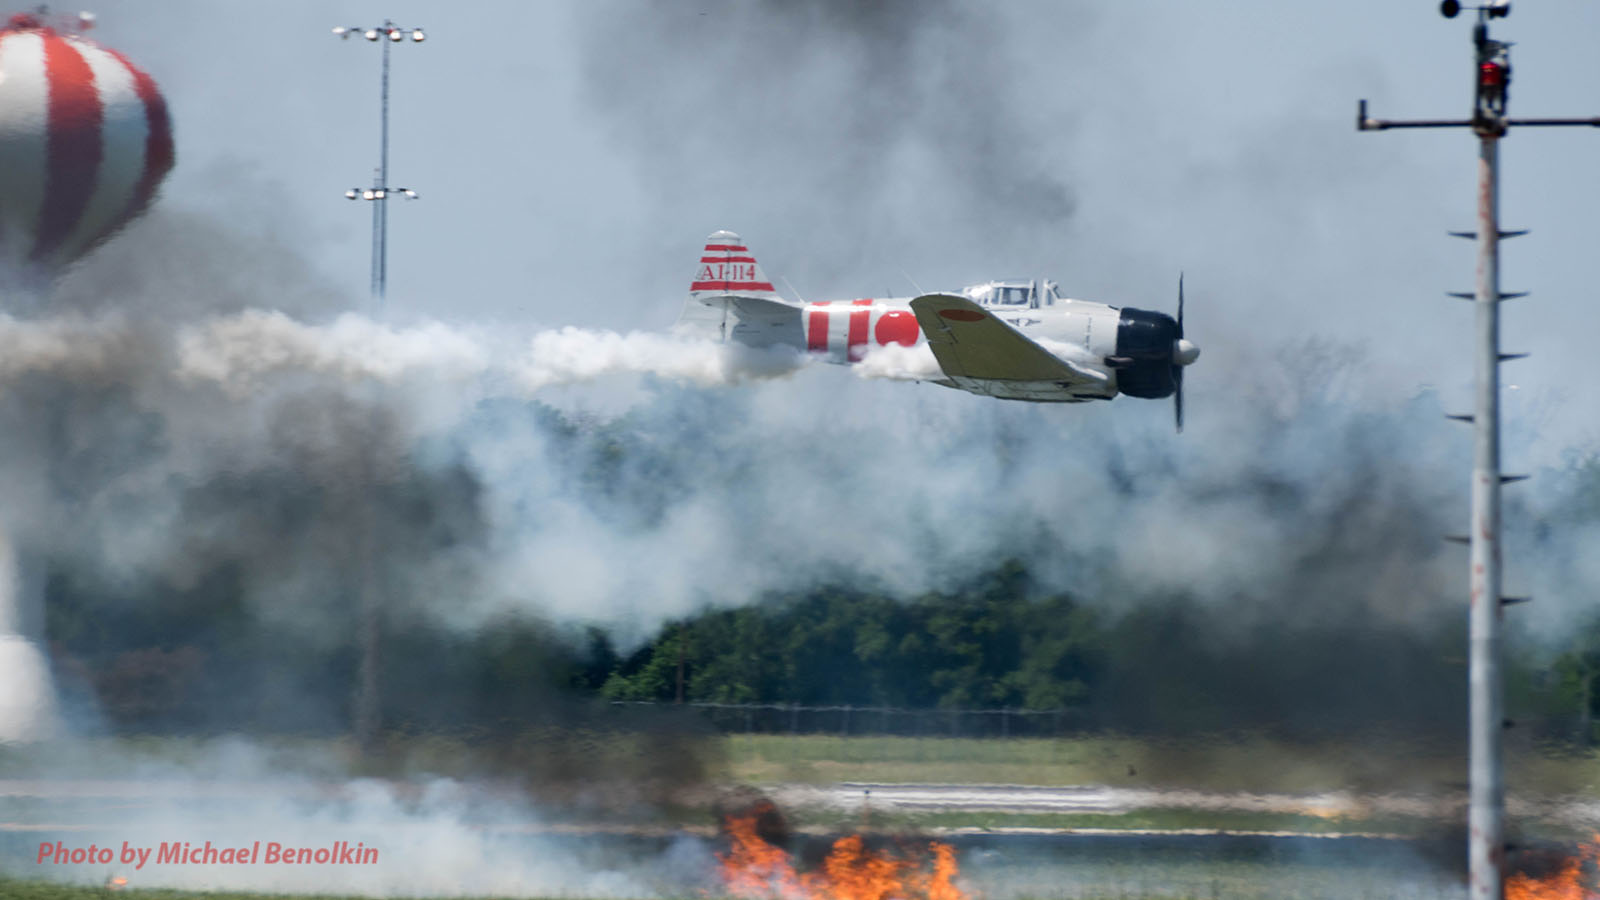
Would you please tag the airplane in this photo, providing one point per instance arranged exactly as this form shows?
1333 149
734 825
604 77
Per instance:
1013 340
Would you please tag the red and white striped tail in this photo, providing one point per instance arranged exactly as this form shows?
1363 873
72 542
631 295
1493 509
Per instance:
728 269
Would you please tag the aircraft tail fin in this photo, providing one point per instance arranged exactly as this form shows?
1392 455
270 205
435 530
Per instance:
730 296
728 269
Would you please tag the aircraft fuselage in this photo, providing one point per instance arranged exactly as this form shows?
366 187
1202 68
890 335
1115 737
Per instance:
845 331
1012 339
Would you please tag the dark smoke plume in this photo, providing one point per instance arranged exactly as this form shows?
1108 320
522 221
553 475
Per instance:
875 117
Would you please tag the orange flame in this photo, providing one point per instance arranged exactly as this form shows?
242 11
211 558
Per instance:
756 870
1567 883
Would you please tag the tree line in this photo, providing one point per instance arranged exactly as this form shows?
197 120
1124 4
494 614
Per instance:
158 658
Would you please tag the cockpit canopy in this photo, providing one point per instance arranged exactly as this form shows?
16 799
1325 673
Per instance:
1014 294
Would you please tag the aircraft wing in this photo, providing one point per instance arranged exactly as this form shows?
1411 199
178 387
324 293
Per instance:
970 342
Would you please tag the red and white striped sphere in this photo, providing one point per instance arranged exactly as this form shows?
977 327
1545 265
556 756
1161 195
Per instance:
85 140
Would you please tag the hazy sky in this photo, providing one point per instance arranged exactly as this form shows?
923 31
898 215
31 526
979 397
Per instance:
572 156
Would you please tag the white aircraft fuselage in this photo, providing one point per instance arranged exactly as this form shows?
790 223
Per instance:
1015 340
844 331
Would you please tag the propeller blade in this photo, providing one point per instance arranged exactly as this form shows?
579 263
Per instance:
1177 371
1177 405
1180 304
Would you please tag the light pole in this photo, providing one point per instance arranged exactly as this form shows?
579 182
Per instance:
379 194
380 191
366 701
1486 778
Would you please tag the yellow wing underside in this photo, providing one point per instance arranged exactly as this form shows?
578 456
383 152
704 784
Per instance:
970 342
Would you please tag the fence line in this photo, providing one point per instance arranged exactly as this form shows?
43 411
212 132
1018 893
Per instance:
847 719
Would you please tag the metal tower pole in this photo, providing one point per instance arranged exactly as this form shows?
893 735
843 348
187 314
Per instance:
378 228
367 702
368 705
1486 847
1486 803
380 209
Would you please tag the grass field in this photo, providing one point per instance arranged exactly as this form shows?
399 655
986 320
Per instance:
1245 765
1230 763
1203 763
1542 787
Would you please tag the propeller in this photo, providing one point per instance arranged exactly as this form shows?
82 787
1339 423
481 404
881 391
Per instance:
1177 367
1184 353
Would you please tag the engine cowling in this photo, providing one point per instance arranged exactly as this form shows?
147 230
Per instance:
1145 342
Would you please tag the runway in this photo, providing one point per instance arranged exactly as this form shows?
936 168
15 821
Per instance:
73 803
77 803
427 840
1097 799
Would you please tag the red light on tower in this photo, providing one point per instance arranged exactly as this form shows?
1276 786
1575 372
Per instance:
1491 74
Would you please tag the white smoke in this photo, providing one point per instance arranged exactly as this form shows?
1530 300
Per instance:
899 363
572 355
259 391
71 345
434 836
240 349
28 707
863 487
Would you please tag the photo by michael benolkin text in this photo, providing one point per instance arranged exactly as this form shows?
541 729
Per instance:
183 853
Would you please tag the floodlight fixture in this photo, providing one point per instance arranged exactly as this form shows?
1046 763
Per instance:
1494 9
380 193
